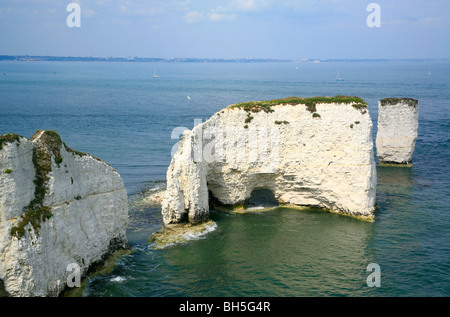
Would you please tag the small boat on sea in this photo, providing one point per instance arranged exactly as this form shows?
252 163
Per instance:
338 77
155 75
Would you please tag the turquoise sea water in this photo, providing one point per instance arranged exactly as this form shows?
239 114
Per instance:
118 112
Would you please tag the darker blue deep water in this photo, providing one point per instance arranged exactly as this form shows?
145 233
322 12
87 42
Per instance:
118 112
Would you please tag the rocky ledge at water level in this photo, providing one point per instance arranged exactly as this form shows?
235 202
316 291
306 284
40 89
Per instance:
314 152
60 209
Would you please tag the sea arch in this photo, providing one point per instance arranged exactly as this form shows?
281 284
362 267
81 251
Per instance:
308 151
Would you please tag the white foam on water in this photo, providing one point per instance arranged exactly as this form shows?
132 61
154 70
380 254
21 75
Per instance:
256 208
197 235
118 279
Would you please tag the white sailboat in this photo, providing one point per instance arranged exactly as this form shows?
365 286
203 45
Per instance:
338 77
154 74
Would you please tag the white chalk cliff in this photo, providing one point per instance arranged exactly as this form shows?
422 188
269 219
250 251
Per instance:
398 123
308 152
57 207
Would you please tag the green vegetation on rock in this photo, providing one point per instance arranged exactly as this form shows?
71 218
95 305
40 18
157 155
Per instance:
9 138
49 144
310 103
68 149
33 216
178 233
395 164
394 101
82 154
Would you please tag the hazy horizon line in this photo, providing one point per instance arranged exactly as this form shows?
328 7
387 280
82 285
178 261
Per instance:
28 57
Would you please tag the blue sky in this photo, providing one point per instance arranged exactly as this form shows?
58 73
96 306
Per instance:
227 29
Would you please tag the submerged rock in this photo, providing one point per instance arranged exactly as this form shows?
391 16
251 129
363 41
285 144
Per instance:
154 197
398 123
58 206
179 233
309 152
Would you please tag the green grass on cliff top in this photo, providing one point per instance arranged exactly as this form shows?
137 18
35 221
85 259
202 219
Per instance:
394 101
310 103
9 138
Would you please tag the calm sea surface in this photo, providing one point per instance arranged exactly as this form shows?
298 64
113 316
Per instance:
120 113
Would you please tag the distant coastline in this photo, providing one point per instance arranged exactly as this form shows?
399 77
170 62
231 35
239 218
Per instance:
32 58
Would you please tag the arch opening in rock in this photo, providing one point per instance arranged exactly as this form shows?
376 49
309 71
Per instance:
217 204
323 160
262 198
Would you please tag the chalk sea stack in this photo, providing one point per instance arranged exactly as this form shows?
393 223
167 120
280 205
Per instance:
58 207
315 152
398 123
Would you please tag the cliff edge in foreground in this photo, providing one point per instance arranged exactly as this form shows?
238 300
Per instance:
59 209
307 151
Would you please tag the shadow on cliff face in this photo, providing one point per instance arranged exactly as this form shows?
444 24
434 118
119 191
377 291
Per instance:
3 292
262 197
